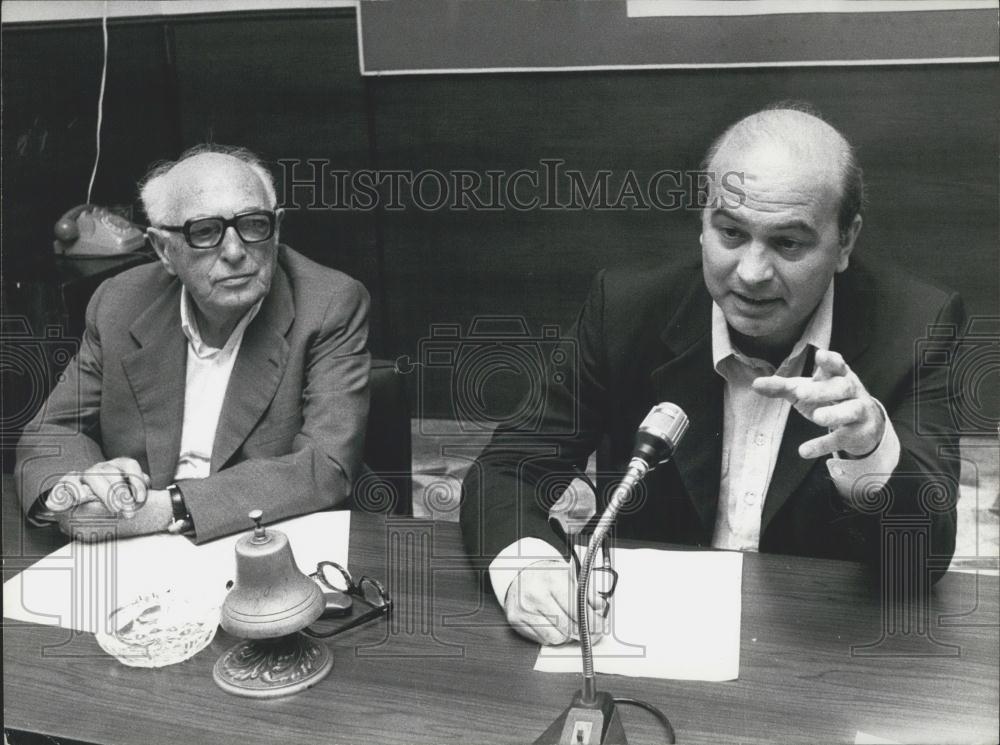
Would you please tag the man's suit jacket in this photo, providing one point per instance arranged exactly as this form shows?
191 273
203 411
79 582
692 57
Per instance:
291 431
645 337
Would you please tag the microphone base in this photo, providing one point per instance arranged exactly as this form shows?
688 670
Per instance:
580 724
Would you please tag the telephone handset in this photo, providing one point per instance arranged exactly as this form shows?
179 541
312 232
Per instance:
88 230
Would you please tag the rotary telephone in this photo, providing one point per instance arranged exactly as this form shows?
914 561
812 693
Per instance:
91 231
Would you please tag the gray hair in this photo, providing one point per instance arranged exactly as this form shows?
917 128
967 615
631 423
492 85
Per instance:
852 186
155 192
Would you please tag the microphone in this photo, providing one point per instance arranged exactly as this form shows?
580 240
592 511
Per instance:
658 435
592 716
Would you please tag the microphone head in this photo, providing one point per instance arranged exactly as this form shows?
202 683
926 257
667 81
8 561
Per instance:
660 432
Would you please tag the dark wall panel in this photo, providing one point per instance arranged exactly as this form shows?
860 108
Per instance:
288 86
51 80
284 85
289 89
446 266
926 137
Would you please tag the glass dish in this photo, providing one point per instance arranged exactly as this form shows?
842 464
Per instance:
158 629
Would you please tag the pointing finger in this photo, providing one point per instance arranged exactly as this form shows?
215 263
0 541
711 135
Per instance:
820 446
839 415
831 363
775 386
819 392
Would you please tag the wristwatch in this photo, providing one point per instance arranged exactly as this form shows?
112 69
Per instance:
181 522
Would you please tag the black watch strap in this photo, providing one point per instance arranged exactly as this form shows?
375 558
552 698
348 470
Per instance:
181 522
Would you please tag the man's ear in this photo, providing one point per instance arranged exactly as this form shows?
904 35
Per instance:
161 244
847 241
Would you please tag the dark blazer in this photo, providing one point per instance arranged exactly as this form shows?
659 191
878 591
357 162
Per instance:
292 425
645 337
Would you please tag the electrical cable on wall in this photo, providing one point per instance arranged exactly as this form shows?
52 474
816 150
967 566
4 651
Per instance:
100 101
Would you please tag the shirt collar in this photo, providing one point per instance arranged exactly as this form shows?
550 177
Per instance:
817 332
189 325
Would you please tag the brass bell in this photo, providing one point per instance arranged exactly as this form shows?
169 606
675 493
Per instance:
271 601
271 597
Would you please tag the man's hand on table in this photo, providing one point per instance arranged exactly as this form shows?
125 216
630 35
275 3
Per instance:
153 517
113 490
541 604
118 485
835 398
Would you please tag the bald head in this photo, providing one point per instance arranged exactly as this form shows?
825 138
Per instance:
772 245
798 144
199 173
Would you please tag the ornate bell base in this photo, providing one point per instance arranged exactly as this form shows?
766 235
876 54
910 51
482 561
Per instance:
268 668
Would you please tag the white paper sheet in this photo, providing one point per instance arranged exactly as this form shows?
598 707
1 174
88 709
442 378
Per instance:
676 614
77 586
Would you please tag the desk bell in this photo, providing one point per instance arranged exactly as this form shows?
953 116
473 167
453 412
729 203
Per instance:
270 603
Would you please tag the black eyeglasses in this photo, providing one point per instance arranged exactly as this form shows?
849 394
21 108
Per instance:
207 232
369 591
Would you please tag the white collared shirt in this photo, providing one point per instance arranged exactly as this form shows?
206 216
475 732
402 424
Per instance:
753 426
206 380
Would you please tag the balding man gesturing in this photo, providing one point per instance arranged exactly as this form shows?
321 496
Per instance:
813 418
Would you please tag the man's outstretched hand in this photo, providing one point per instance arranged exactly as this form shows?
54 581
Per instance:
835 398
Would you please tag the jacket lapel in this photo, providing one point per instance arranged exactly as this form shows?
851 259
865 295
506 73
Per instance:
790 468
689 380
257 371
156 373
854 315
852 305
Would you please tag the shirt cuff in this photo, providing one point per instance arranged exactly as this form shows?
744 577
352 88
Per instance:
516 557
875 468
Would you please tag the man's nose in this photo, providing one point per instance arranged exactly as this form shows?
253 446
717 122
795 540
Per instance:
233 249
755 265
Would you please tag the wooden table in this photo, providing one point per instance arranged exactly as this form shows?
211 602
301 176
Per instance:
448 669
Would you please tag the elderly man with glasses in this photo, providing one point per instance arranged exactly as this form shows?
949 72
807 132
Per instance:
230 375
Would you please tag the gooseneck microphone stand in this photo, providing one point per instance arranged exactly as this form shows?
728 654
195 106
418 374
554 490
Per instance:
622 493
592 717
